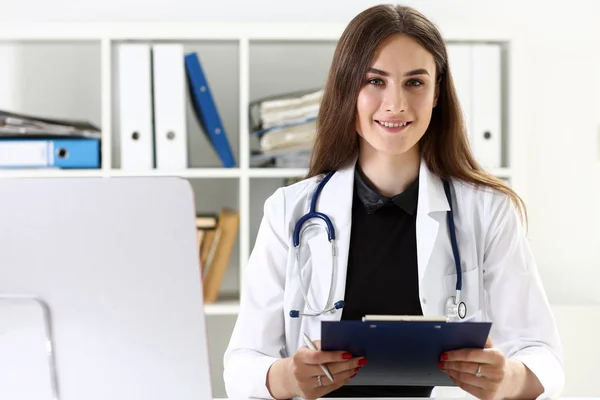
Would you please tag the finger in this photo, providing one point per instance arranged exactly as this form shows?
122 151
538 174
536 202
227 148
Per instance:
303 368
340 377
466 378
308 372
349 365
322 391
489 371
460 366
481 356
322 357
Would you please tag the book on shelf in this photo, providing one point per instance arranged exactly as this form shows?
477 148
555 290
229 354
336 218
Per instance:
206 225
216 236
204 221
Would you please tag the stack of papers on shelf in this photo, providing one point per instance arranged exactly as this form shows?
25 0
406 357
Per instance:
278 112
296 137
285 126
21 126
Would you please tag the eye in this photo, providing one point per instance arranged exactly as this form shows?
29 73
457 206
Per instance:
375 81
414 82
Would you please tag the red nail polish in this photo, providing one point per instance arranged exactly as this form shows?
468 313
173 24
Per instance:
445 356
353 375
346 356
441 365
362 361
356 369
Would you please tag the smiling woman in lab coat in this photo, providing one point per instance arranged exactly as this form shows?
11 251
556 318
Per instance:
390 125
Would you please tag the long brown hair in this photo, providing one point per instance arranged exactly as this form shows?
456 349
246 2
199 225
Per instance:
444 146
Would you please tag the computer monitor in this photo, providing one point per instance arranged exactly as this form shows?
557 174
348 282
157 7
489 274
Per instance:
100 290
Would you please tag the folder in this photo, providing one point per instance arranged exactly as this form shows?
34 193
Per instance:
135 106
206 248
487 105
402 352
460 61
477 74
206 110
9 73
170 132
81 153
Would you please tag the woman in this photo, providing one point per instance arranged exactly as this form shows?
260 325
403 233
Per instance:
391 127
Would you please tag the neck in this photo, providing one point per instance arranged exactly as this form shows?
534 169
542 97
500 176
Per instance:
389 174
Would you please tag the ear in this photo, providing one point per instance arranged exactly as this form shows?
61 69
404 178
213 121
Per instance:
436 94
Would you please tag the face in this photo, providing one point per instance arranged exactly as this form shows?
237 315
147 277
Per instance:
396 100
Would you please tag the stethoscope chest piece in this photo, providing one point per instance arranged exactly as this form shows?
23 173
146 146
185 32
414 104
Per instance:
462 310
455 312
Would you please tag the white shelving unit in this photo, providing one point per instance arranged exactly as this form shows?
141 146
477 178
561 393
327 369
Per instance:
106 36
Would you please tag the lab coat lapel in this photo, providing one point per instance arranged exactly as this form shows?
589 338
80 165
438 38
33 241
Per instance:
431 211
335 201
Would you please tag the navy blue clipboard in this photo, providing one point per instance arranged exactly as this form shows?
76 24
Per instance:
402 352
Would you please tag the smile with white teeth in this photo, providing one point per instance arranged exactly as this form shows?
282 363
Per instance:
391 125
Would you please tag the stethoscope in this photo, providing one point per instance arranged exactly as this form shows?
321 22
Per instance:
455 308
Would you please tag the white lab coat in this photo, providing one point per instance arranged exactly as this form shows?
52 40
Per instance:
500 278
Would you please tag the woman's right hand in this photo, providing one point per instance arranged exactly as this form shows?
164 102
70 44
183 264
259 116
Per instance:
303 371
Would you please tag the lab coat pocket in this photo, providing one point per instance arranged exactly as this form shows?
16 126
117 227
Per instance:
470 293
321 271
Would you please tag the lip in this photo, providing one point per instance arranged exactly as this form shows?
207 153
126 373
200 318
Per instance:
395 121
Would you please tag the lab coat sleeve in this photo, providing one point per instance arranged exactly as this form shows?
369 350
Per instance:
523 326
258 334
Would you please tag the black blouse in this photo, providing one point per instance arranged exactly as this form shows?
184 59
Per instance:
382 275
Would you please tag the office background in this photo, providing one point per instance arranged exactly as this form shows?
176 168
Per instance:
560 89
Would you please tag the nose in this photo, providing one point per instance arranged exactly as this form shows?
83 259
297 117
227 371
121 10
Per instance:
395 101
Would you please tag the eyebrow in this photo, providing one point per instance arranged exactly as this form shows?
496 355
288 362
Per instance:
420 71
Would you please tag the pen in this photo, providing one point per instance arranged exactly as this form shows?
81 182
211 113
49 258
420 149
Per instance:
311 346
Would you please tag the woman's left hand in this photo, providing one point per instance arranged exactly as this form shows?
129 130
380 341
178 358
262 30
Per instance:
481 372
